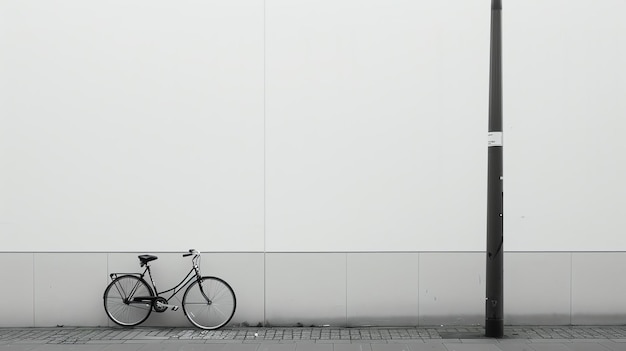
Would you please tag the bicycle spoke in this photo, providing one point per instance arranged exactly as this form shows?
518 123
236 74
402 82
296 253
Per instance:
118 301
214 312
120 289
217 309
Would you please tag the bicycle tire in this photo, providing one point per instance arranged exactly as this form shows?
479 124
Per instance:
214 313
117 296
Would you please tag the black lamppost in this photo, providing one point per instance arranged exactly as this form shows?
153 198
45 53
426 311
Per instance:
494 321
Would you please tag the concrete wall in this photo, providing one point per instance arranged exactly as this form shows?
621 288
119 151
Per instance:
354 289
248 125
318 147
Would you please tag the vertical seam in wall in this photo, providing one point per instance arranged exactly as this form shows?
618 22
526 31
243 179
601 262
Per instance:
264 144
346 282
264 170
33 289
419 257
106 281
264 288
571 286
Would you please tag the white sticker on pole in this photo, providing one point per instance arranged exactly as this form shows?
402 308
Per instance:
494 139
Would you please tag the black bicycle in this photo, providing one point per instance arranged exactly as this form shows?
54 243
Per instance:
209 302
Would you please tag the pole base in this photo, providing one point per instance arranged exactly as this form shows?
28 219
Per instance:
494 328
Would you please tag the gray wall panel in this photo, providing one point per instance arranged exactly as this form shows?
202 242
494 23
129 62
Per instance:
383 289
452 288
306 288
68 289
16 275
329 288
598 285
537 288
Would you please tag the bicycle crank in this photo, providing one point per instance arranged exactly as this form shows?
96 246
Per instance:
161 305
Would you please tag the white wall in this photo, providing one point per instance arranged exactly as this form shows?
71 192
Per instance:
564 86
284 126
131 125
376 125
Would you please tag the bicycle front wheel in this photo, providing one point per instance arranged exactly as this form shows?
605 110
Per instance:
209 303
119 301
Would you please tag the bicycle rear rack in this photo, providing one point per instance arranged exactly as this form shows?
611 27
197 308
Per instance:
116 275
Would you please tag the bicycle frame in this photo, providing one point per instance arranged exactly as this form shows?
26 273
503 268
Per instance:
193 274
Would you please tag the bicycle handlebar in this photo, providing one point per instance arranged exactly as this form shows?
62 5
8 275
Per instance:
191 252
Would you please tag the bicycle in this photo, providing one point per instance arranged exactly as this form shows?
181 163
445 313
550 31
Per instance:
208 302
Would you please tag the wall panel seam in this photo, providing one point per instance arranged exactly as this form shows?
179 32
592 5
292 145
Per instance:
264 163
33 301
571 287
346 286
419 264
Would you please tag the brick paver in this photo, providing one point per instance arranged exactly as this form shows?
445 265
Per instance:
77 335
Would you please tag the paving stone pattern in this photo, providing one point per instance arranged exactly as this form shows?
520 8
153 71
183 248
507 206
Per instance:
77 335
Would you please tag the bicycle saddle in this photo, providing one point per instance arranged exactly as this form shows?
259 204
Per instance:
146 258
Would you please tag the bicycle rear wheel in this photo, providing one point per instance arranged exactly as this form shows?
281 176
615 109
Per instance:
119 304
209 304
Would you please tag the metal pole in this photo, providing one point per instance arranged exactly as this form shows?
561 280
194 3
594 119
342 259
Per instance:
494 321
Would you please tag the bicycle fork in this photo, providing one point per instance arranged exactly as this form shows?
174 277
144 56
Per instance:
199 278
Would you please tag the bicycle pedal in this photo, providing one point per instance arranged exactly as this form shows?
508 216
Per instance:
166 306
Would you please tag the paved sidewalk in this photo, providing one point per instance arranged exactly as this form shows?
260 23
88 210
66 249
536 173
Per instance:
530 338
